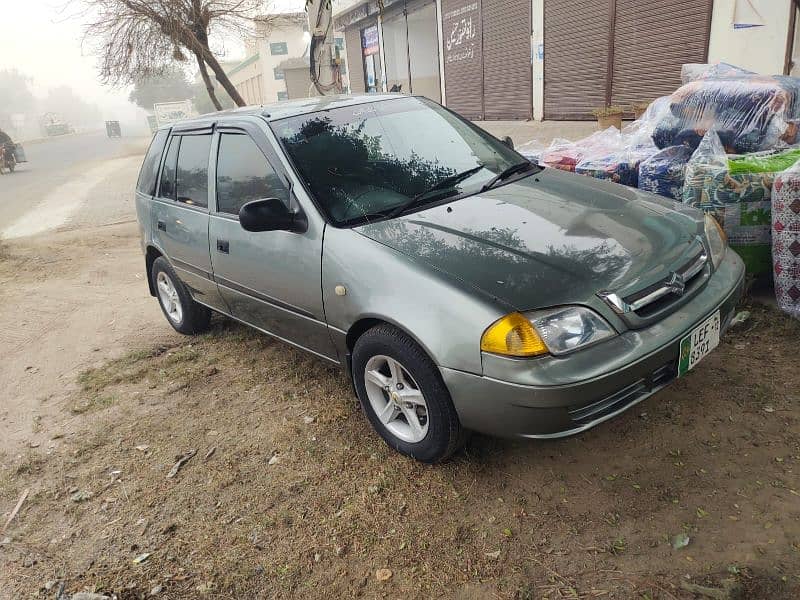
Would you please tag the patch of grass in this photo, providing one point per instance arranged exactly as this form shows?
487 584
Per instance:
177 366
30 464
92 403
126 369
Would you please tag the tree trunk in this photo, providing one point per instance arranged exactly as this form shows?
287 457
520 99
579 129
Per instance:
219 73
207 80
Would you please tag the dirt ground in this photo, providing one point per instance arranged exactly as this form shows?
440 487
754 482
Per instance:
290 495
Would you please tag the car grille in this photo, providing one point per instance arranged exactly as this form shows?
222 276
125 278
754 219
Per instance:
622 399
671 291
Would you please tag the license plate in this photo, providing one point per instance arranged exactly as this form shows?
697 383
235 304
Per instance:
702 340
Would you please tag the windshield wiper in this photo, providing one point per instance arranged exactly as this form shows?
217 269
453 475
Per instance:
505 174
442 184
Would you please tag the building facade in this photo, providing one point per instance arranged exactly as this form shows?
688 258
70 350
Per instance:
259 77
555 59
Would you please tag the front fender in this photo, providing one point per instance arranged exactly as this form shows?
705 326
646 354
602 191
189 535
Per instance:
444 315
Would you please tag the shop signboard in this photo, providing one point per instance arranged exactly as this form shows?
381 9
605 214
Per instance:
369 40
462 37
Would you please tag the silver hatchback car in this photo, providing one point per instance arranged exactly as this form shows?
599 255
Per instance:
462 287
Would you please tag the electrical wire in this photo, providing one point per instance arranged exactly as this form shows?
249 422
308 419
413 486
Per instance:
316 43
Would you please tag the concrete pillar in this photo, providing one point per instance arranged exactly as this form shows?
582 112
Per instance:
537 56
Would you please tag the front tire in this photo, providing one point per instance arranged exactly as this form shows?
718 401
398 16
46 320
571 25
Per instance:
183 313
402 393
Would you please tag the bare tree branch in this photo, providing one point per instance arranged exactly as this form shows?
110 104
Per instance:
139 39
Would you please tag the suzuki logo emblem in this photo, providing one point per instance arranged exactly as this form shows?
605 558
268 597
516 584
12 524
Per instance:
675 284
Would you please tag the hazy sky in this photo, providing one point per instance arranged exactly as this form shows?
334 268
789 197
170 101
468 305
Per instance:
43 40
38 40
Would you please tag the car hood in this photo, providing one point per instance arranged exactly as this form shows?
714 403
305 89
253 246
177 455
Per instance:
548 239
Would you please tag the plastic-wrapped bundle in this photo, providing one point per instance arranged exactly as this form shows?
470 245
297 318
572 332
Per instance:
565 155
748 113
695 71
706 174
619 167
786 239
791 85
532 150
663 173
738 190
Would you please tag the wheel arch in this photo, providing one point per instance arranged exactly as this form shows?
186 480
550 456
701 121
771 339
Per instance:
367 322
151 254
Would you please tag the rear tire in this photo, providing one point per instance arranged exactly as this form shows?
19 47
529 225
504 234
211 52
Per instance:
403 395
182 312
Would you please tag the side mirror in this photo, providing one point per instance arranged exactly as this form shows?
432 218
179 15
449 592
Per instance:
508 141
270 214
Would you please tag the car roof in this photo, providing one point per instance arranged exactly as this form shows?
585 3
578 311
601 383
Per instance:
286 108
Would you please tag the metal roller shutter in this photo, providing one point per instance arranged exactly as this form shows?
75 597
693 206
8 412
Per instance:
576 53
355 63
506 59
652 39
463 56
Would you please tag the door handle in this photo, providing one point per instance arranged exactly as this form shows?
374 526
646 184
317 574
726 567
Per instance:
161 225
223 246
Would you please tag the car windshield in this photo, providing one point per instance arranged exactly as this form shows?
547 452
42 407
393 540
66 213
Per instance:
366 161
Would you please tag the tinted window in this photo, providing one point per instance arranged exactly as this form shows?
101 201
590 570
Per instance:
243 174
368 159
192 179
149 172
167 187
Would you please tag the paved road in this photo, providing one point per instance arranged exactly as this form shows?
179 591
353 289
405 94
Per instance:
83 161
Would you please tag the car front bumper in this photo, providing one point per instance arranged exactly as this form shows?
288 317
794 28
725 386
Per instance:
555 397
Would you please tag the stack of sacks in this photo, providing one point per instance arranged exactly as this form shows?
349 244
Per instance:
663 173
738 191
786 239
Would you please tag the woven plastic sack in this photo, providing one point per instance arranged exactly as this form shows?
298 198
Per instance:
786 239
663 173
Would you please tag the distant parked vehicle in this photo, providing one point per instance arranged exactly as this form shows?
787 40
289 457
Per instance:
54 125
113 129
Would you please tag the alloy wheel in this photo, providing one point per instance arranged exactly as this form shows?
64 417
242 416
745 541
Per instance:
396 398
168 295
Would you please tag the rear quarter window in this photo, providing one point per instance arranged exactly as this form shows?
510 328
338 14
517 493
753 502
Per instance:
149 172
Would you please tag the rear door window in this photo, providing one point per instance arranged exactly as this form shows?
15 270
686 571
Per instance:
244 174
166 188
149 172
192 171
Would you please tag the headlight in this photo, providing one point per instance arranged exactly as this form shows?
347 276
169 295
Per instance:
717 240
569 328
557 331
